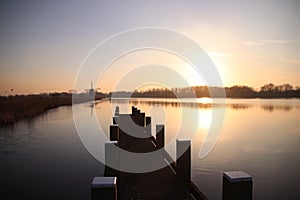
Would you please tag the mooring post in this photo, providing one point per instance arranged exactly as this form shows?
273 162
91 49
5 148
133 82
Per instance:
148 120
113 132
115 120
148 126
133 110
183 162
111 158
117 111
160 136
142 119
104 188
138 117
237 185
135 115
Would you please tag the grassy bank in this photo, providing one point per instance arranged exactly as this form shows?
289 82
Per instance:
15 108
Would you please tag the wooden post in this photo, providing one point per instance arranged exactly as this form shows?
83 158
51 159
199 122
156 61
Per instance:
160 136
104 188
135 115
117 111
114 132
183 162
115 120
148 126
133 110
237 185
111 158
148 120
122 140
124 123
142 119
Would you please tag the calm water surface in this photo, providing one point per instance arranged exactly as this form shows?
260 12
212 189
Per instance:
45 159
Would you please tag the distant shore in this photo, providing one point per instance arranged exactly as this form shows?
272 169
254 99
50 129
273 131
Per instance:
268 91
18 107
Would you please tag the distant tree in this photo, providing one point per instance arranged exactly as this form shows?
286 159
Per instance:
267 87
279 88
240 91
286 87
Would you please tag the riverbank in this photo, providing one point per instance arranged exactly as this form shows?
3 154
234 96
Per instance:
15 108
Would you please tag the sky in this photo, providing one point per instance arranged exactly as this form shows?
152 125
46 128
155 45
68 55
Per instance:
44 43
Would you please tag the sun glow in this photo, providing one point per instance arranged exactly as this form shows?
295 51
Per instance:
205 117
204 100
139 64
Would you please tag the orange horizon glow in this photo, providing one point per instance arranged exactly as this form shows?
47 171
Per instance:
42 53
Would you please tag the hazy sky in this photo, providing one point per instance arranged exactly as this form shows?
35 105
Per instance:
44 42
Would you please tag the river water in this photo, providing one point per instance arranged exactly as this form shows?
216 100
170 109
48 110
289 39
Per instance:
44 158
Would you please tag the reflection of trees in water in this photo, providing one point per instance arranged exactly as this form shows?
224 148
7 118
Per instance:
235 106
240 106
173 104
193 104
268 108
166 103
271 108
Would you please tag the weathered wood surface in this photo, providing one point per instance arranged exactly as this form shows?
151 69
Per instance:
159 184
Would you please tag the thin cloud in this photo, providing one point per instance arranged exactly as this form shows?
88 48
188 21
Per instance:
296 61
253 43
265 42
293 60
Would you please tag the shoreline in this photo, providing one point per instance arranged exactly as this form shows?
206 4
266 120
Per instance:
16 108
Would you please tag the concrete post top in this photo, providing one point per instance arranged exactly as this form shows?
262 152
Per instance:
183 142
237 176
124 115
111 142
114 125
104 182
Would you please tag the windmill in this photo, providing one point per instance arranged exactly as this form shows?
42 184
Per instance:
92 90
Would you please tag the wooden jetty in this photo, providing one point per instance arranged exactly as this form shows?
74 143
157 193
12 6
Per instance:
171 181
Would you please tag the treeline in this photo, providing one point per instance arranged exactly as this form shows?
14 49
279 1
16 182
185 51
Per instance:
266 91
